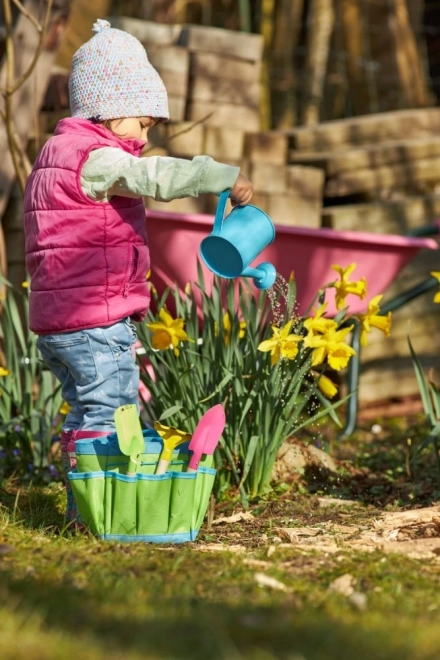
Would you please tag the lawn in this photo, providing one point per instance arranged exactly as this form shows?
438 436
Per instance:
327 566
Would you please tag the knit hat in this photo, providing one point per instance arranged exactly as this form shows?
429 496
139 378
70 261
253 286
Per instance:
112 78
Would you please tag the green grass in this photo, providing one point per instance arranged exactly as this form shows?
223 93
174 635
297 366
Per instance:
64 595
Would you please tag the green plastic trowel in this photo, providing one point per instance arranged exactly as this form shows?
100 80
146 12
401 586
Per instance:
130 438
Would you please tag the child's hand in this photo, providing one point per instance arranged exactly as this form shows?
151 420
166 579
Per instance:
241 193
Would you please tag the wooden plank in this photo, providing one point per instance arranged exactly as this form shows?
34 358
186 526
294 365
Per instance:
224 114
409 177
83 14
389 217
267 146
28 98
390 379
223 144
369 156
217 40
177 107
184 205
176 84
295 210
366 129
307 182
304 182
289 209
268 178
396 345
169 58
220 65
184 139
148 32
223 90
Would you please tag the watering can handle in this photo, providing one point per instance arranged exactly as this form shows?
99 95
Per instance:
220 212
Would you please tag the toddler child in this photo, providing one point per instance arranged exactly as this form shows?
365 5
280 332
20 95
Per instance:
85 229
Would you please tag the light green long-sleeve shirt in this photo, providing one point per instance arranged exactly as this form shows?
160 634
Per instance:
111 171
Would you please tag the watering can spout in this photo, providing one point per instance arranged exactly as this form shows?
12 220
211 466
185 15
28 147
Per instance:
236 240
263 275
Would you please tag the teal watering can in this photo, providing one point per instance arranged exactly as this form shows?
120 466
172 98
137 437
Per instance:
236 241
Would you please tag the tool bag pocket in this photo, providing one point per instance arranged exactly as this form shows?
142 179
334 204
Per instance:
163 508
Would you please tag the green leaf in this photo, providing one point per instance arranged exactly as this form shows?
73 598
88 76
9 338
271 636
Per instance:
250 454
423 385
169 412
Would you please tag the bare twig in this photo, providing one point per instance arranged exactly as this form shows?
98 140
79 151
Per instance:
29 16
182 132
42 31
19 159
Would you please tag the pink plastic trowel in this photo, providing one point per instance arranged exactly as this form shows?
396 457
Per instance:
206 436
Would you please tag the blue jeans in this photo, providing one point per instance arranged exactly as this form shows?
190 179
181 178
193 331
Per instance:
97 370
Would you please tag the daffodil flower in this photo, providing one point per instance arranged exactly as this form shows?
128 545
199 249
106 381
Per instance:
227 327
4 372
373 320
436 274
168 332
65 408
318 324
344 287
327 386
282 344
332 346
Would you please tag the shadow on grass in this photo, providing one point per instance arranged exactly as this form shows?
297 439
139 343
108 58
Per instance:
35 507
380 469
191 628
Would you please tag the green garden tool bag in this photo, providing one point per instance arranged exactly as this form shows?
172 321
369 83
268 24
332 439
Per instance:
148 507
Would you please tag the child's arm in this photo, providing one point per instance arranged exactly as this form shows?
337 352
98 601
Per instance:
110 171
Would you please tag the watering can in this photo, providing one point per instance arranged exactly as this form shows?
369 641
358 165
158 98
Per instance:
236 241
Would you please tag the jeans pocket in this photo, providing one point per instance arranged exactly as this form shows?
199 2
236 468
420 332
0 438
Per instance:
74 352
121 337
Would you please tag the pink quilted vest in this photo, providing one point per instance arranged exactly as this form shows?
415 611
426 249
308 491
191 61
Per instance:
88 260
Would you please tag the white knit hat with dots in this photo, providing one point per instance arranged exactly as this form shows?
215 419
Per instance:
112 78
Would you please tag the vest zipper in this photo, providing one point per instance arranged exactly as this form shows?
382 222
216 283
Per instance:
133 271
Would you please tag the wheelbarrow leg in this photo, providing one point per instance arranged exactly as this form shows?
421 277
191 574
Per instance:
353 373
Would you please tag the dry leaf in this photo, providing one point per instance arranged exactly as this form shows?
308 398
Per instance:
293 533
343 585
219 547
333 501
234 518
264 580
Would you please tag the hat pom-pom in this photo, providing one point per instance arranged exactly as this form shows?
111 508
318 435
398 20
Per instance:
100 25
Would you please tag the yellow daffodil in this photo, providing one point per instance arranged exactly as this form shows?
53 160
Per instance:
4 372
344 287
327 387
150 283
65 408
436 274
282 344
330 345
318 324
373 320
168 332
227 327
25 285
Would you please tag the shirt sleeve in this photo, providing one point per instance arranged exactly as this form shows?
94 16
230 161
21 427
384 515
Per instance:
111 171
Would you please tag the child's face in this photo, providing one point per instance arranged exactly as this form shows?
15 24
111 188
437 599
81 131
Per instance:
132 127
